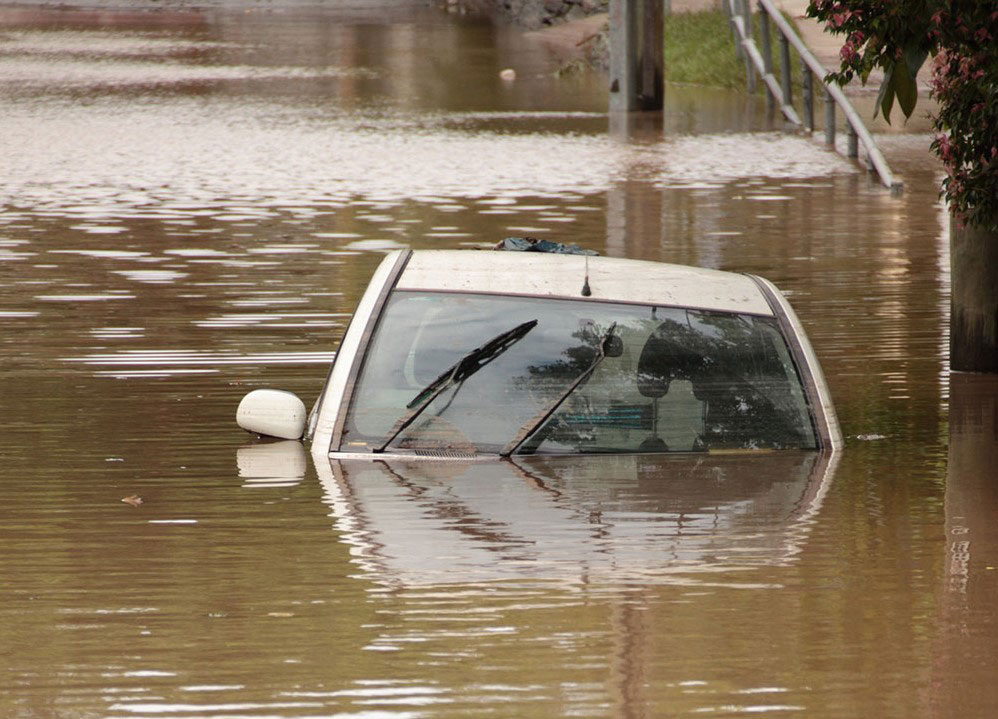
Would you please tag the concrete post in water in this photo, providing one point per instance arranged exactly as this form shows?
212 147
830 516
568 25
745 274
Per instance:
852 148
636 55
974 299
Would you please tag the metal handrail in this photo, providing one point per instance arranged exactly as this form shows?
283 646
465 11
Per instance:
741 26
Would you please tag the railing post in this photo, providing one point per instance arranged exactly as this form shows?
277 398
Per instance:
852 148
730 8
785 69
807 80
767 53
767 48
812 73
829 118
746 11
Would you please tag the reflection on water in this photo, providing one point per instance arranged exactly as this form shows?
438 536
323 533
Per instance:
965 650
582 521
190 205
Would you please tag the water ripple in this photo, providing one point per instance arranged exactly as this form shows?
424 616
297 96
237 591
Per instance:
189 358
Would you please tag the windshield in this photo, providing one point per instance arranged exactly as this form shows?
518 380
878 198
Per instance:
672 379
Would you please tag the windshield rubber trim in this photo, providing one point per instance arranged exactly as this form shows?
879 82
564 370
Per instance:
365 340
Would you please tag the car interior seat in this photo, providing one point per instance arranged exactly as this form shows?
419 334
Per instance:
669 355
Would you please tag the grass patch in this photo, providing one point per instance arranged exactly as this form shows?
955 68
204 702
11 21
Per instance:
699 50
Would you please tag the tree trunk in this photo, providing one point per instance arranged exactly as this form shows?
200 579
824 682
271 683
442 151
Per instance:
974 318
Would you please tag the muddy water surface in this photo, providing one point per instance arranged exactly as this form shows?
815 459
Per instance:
191 203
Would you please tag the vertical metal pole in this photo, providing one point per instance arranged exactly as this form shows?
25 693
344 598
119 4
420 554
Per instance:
767 53
829 119
766 45
731 11
785 69
746 9
808 95
749 75
852 148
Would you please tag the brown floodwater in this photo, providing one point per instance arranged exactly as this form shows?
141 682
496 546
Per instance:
191 202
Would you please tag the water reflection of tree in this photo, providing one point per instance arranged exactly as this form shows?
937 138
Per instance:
730 361
574 359
548 380
734 370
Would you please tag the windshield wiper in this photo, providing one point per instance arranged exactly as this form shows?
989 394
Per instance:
534 424
456 373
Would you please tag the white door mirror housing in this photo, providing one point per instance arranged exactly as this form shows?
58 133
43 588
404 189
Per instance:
272 413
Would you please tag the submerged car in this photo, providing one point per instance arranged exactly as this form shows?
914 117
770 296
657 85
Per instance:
470 353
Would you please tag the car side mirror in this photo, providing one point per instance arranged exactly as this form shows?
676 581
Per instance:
272 413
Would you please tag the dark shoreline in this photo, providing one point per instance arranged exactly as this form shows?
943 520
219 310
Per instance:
529 14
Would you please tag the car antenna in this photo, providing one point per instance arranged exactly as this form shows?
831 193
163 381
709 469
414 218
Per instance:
586 292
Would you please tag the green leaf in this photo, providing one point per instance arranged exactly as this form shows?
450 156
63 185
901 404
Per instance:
913 59
885 98
905 88
904 83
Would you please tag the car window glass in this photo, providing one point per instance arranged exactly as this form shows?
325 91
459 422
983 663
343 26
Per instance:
683 380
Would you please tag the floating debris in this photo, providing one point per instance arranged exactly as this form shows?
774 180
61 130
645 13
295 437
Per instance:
132 499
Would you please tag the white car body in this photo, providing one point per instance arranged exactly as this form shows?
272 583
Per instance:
578 278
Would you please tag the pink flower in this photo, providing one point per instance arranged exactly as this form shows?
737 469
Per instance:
945 150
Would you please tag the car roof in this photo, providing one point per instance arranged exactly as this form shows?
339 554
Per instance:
610 279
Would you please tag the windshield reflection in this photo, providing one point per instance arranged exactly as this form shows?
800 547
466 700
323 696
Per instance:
677 380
